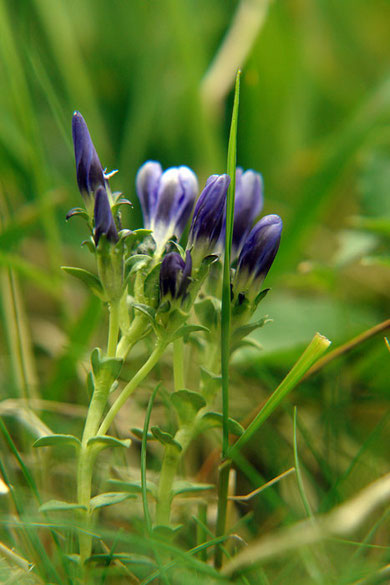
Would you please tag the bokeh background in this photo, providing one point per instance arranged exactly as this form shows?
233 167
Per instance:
153 79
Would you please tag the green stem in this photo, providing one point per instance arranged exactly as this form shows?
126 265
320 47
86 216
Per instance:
178 363
113 330
131 386
84 482
223 486
167 476
171 460
96 408
130 338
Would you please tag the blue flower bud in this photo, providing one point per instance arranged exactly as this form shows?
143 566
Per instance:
166 198
208 216
248 203
88 168
175 275
104 221
257 254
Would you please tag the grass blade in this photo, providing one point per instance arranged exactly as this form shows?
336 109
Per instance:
312 353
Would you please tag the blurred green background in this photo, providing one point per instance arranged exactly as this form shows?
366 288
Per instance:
314 120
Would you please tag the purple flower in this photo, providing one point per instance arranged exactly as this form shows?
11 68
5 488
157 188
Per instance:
88 168
208 216
166 198
104 221
175 275
248 203
258 253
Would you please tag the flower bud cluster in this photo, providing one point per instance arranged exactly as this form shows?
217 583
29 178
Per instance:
168 199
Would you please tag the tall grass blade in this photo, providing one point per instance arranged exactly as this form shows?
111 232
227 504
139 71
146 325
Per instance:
312 353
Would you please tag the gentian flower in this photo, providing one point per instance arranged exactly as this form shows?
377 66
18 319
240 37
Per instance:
257 254
208 216
166 198
175 275
248 203
89 170
104 221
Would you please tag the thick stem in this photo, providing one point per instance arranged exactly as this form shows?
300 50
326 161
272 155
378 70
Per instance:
167 476
178 363
96 408
84 482
130 338
113 331
131 386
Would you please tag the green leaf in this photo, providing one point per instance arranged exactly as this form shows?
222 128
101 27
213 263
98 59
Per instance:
179 249
165 438
152 283
211 383
253 343
90 384
100 363
208 311
187 404
96 360
104 441
90 244
78 211
118 203
215 419
318 345
60 506
185 331
137 262
139 434
149 312
166 533
262 294
89 279
109 499
190 488
133 486
205 265
60 440
244 330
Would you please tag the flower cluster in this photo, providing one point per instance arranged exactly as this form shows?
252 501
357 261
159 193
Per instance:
167 201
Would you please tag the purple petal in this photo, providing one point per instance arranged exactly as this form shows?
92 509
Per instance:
260 248
147 184
247 205
104 222
172 267
208 215
88 167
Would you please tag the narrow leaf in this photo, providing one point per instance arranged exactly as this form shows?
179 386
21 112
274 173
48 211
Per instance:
312 353
106 441
109 499
59 506
57 440
89 279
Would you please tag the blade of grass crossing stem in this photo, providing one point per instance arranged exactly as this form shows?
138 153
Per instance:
225 322
147 516
312 353
223 480
148 520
